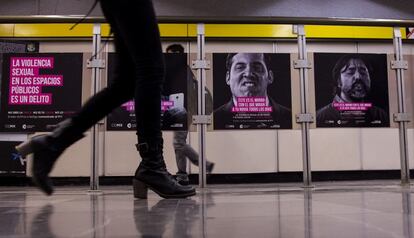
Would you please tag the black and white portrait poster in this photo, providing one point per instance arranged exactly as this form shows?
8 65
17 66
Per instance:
39 90
251 91
351 90
173 102
11 163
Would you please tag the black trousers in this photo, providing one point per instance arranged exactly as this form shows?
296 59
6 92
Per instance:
139 72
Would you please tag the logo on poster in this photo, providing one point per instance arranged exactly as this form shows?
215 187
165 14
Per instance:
116 125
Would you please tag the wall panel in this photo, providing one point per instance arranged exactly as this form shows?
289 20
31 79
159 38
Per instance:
248 151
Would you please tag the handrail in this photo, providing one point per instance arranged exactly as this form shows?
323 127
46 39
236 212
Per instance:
218 20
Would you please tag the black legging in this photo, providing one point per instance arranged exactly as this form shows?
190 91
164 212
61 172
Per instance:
139 72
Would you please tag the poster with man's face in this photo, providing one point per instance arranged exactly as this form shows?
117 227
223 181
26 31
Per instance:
251 91
39 90
173 101
351 90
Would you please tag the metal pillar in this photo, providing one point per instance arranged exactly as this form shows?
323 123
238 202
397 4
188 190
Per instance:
201 119
402 118
307 213
97 216
203 213
304 118
96 64
407 212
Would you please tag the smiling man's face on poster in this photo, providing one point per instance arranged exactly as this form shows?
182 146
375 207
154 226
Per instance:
248 75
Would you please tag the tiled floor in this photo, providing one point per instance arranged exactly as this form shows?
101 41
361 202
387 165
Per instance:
358 209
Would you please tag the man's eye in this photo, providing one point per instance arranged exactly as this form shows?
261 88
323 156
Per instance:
240 66
350 71
258 68
363 71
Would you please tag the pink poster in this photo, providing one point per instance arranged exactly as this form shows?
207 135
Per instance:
39 90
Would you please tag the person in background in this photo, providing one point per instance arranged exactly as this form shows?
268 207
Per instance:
181 148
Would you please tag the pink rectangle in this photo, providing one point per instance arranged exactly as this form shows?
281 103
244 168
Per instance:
48 80
251 99
342 106
20 90
240 109
23 72
129 106
31 99
32 62
251 107
129 103
167 103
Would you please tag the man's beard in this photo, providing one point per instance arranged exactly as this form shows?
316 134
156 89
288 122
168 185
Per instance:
358 92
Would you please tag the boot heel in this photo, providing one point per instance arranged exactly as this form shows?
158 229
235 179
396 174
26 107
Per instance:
140 189
25 148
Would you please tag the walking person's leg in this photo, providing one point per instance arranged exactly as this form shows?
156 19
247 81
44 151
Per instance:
135 25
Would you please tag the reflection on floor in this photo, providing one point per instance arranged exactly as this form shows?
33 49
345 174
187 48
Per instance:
357 209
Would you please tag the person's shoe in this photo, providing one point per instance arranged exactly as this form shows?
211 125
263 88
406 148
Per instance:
152 173
46 149
44 157
209 167
182 178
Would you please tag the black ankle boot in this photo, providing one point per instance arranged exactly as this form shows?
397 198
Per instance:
152 174
46 149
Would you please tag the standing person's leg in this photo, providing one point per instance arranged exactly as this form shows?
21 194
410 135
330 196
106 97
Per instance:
180 143
183 151
186 151
135 25
193 156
